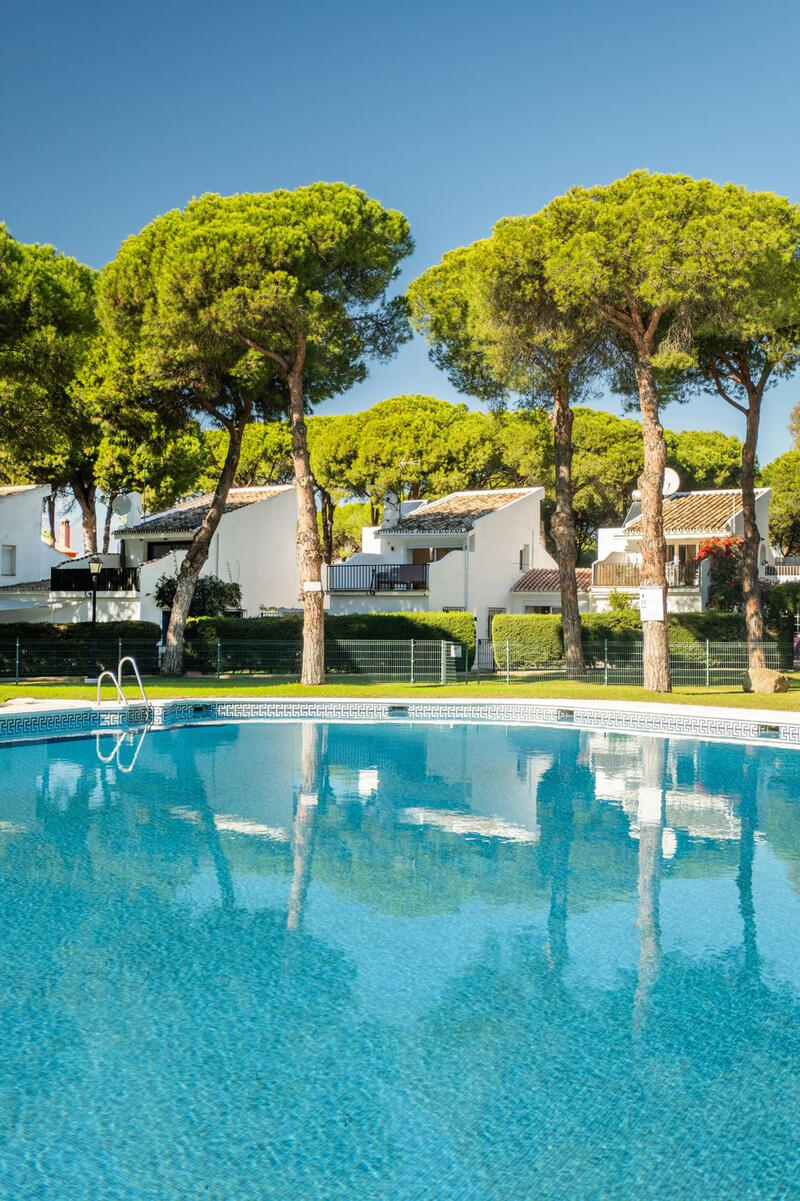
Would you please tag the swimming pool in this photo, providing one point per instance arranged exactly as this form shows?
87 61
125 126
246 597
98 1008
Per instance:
413 961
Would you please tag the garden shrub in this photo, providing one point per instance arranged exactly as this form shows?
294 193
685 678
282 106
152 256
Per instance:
80 631
202 633
539 636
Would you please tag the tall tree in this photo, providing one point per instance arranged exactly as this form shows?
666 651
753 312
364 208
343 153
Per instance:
495 326
744 348
47 326
654 257
258 303
782 475
266 456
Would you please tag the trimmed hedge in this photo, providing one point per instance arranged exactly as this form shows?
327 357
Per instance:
80 631
454 627
541 636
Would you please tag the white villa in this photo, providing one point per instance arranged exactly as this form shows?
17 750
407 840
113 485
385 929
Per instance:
254 546
480 551
690 518
24 555
464 551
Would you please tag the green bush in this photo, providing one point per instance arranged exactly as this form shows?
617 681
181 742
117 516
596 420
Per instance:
538 634
212 597
540 637
783 600
454 627
80 631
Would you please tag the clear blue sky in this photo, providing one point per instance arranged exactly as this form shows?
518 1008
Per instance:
455 113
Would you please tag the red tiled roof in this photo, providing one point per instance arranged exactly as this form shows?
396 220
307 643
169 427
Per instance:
545 579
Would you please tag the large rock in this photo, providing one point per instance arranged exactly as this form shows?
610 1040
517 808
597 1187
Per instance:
764 679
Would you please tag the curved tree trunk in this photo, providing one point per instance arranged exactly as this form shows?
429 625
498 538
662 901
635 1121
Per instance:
327 525
50 502
84 494
112 496
309 555
197 554
563 529
654 550
753 615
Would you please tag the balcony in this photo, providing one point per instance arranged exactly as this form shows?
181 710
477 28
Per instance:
628 575
377 577
109 579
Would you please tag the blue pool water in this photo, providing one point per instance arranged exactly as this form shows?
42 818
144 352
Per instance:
398 963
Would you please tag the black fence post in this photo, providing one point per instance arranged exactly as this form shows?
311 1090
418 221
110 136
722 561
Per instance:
16 663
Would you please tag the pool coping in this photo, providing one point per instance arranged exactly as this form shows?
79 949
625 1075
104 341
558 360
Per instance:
25 720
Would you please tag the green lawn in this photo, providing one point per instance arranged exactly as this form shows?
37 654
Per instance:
158 688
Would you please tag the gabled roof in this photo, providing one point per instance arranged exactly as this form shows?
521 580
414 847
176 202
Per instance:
545 579
187 516
708 512
457 512
10 489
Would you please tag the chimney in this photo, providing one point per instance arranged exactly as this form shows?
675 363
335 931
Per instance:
63 533
391 511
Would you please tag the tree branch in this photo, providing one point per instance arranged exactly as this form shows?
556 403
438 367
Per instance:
268 354
716 376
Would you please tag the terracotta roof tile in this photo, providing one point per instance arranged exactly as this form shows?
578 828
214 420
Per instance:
457 512
698 512
188 515
545 579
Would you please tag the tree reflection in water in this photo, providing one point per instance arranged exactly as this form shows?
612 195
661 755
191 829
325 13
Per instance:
445 1016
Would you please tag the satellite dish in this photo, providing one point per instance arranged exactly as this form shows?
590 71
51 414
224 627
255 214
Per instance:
121 504
672 481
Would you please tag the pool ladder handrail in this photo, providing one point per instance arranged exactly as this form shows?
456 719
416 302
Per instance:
116 680
120 737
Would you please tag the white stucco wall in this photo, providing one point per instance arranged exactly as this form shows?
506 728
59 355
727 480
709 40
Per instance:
494 563
21 527
254 547
388 602
448 581
517 601
66 610
610 538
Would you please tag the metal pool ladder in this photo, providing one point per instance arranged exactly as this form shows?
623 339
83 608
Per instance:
116 680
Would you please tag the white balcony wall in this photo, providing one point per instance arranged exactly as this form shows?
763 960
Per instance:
447 582
68 608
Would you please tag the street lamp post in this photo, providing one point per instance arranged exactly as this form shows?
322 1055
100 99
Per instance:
95 567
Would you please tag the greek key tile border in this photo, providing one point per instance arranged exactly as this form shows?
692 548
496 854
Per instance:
35 725
626 721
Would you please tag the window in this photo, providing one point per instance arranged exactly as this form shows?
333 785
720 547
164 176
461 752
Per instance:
490 616
524 558
8 560
159 550
538 608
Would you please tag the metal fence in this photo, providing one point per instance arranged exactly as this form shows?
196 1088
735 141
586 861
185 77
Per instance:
421 661
31 658
698 664
403 660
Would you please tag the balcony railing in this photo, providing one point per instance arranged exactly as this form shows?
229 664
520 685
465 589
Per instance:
79 579
378 577
629 575
782 571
